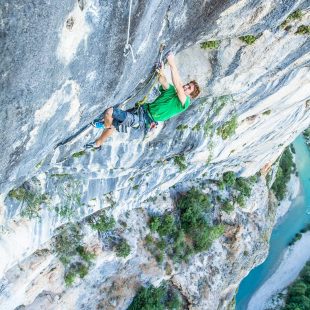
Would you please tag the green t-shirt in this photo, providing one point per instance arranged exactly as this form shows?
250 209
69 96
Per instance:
167 104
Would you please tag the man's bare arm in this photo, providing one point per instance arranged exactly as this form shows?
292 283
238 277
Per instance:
162 78
176 79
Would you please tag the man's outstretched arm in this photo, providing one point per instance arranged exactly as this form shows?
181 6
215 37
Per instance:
162 78
176 79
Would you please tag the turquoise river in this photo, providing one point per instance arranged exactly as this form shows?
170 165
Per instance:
294 220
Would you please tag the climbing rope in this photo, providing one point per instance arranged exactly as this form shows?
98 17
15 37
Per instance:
128 46
150 83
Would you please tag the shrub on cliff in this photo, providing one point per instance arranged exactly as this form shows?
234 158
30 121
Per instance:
180 161
285 169
210 44
248 39
30 199
228 129
122 249
75 257
244 186
186 232
193 207
160 298
296 15
102 222
303 29
164 225
229 178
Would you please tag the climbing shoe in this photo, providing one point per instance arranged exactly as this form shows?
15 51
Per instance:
91 145
98 124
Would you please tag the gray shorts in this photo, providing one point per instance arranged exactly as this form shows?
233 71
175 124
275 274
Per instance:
123 119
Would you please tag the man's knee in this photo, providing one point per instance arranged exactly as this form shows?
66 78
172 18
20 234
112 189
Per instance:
108 113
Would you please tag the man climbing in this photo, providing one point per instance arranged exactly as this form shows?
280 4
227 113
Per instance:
173 100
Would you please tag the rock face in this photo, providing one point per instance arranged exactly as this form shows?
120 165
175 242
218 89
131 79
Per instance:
63 64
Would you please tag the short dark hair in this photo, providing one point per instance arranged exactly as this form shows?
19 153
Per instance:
194 94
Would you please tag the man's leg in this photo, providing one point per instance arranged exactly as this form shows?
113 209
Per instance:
109 128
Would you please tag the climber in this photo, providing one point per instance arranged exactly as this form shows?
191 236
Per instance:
173 100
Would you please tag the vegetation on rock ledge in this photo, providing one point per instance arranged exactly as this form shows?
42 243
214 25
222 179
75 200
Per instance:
70 251
248 39
185 233
160 298
285 169
210 44
228 129
31 201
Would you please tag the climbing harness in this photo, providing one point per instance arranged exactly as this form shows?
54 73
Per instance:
128 46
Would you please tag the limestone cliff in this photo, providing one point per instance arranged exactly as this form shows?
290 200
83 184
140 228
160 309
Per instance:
63 64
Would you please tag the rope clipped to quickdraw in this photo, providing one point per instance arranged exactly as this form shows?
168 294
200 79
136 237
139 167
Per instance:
128 46
143 100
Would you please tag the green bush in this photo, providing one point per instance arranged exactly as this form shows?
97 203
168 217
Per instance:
180 161
208 127
267 112
221 102
122 248
154 223
248 39
227 206
175 302
240 200
80 270
244 186
186 234
149 239
193 207
78 154
228 129
296 15
66 242
306 133
102 223
164 225
303 30
229 178
197 127
221 185
31 201
210 44
305 229
181 249
167 226
204 236
161 298
299 234
182 127
285 169
305 274
74 256
69 190
84 254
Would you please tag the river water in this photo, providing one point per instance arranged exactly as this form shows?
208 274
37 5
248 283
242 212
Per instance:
294 220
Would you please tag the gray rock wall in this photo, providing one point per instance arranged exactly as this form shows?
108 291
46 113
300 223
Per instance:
63 64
